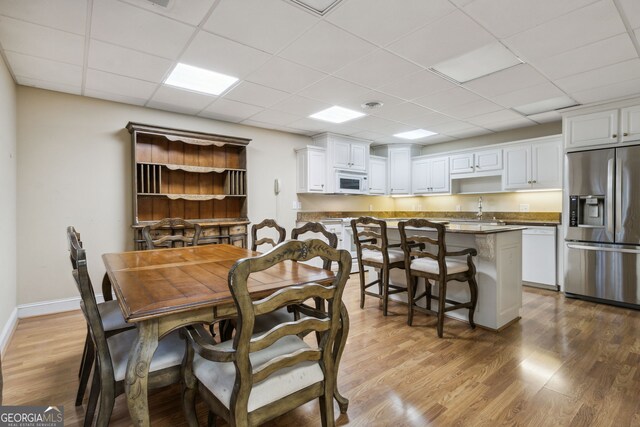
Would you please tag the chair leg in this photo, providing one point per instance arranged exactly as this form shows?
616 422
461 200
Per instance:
85 369
189 405
93 399
84 353
211 419
361 274
326 411
442 296
385 290
427 284
411 289
473 287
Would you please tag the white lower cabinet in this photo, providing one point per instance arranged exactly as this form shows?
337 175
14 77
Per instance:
430 175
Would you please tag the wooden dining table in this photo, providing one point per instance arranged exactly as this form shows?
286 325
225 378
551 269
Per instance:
165 289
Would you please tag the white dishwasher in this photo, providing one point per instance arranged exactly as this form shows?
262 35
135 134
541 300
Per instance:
539 257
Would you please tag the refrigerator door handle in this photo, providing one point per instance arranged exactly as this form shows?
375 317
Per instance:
618 225
610 195
603 249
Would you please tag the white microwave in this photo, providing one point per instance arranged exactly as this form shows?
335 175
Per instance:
351 183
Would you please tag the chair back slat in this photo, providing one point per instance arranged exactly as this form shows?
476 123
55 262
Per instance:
370 233
318 228
293 359
295 327
292 295
435 249
181 234
267 223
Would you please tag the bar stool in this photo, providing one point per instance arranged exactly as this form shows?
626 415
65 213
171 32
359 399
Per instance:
435 265
374 250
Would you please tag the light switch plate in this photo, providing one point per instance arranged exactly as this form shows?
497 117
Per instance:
524 207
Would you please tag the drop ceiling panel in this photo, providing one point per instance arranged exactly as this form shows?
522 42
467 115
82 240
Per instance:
355 102
308 124
631 9
268 25
300 106
595 55
447 99
428 120
474 108
184 100
279 118
255 94
446 38
137 29
549 116
469 132
223 56
334 91
227 110
505 81
493 117
49 85
119 85
66 15
31 67
529 95
510 124
374 124
417 85
326 48
284 75
617 73
372 136
43 42
625 89
119 60
383 21
376 69
109 96
400 112
188 11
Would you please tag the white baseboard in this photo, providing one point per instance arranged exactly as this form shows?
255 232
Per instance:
50 307
7 330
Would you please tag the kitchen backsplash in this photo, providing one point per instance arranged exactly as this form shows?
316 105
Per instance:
538 217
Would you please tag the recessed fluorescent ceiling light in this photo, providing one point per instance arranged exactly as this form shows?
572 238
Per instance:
199 80
477 63
545 105
415 134
317 6
337 114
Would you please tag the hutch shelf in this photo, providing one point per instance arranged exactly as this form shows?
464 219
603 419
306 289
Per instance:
200 177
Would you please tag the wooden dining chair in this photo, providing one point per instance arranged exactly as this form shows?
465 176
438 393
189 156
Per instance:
112 352
318 228
257 377
112 322
180 234
269 224
373 250
432 261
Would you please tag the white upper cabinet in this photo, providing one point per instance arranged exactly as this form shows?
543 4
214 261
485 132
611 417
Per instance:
419 176
430 175
488 160
462 163
400 170
377 175
341 155
630 123
310 170
533 165
347 153
358 155
481 162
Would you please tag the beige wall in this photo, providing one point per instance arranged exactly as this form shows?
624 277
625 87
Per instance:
544 201
322 203
74 165
8 194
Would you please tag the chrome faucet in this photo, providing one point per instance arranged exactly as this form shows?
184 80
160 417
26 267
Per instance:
479 213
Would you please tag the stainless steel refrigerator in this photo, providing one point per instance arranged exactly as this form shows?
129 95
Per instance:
602 236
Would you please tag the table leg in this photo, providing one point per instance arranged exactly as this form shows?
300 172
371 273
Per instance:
341 340
138 372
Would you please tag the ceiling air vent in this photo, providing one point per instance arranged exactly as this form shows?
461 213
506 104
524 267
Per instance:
319 7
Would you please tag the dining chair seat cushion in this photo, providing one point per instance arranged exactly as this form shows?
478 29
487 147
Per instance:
395 255
428 265
268 321
111 316
219 377
169 353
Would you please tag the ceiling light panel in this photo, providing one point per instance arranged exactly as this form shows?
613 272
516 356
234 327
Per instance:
199 80
319 7
478 63
337 114
545 105
415 134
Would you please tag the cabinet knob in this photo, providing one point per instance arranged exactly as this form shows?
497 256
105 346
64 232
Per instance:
625 134
477 166
534 181
615 135
528 182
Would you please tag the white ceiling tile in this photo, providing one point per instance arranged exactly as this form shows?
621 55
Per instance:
595 55
254 94
36 40
75 89
334 91
417 85
383 21
127 62
428 120
365 134
66 15
129 26
547 117
446 38
605 93
631 10
124 99
437 139
496 116
223 56
509 80
355 102
45 70
284 75
374 124
188 11
376 69
172 107
392 128
595 22
300 106
612 74
505 18
184 101
447 99
401 112
510 124
268 25
461 3
279 118
453 127
118 85
475 108
469 132
342 128
308 124
326 48
529 95
230 111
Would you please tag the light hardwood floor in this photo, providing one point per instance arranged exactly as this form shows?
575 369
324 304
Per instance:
566 363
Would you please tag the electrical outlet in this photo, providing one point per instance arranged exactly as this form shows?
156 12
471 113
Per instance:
458 208
296 205
524 207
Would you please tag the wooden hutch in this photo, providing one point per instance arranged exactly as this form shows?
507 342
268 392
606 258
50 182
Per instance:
200 177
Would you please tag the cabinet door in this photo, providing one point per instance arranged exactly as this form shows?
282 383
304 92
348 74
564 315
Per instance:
630 123
546 165
517 168
591 129
462 163
358 157
341 154
399 171
316 173
419 176
377 176
439 180
488 160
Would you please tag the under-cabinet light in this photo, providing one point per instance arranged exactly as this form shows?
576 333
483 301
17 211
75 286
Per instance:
415 134
337 114
538 190
199 80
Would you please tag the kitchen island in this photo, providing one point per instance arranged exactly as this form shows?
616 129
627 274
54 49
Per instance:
498 265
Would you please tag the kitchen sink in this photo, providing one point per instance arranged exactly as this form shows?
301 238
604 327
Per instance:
477 222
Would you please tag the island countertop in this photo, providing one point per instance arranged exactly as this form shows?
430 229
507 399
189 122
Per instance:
470 228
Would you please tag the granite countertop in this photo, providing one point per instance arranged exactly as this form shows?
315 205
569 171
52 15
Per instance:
472 228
